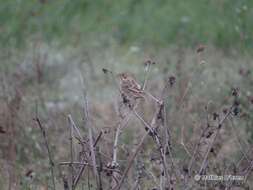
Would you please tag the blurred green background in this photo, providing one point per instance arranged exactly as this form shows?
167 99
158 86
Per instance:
224 23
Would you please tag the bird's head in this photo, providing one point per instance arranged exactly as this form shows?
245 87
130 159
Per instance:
122 76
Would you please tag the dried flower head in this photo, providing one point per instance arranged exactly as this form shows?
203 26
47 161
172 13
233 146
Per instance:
235 91
200 48
172 80
209 134
2 130
149 62
215 116
244 72
236 110
251 99
105 70
225 110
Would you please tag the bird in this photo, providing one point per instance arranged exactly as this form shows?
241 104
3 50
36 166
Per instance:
129 87
131 90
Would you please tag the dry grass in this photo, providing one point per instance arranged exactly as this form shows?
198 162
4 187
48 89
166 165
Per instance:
196 130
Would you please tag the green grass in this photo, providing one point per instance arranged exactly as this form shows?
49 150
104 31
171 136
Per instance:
226 24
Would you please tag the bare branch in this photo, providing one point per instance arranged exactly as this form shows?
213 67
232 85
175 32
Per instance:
51 163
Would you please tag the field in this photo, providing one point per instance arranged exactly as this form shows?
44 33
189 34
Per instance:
68 121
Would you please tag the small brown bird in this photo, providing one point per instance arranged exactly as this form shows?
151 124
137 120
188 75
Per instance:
129 87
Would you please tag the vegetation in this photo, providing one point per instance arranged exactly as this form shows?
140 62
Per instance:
226 23
60 94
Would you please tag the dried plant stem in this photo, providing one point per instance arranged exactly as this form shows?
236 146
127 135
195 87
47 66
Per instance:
83 163
136 184
248 171
167 147
74 127
153 177
115 146
158 142
118 131
71 153
243 157
75 163
199 140
51 163
213 140
146 76
153 98
195 151
238 140
90 133
182 141
131 160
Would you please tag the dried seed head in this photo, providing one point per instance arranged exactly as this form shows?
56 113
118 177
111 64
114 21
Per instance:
251 99
185 169
105 70
244 72
2 130
225 110
200 48
172 80
235 91
209 134
149 62
215 116
236 110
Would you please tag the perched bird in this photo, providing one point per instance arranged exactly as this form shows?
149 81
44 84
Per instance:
131 90
129 87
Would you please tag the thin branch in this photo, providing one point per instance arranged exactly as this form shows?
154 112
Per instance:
90 132
118 132
157 140
84 165
71 152
238 140
146 75
73 125
213 140
51 163
131 160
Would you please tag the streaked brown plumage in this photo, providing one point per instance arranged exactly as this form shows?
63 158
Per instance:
129 87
